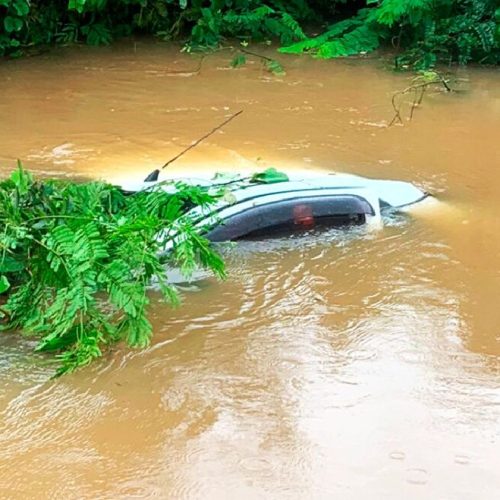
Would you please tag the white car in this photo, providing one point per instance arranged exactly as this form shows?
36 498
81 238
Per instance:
297 203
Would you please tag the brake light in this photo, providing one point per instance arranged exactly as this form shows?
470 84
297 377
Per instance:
303 216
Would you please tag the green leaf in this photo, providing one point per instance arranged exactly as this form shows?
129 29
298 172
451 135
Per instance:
21 179
10 265
54 342
21 7
78 5
269 176
12 24
97 34
275 68
4 284
238 60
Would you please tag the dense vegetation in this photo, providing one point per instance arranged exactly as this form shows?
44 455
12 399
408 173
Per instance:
76 260
422 31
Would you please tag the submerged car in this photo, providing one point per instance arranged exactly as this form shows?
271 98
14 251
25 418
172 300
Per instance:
254 208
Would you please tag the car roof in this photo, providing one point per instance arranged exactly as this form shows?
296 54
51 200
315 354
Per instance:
390 193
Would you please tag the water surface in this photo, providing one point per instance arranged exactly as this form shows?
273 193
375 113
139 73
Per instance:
355 365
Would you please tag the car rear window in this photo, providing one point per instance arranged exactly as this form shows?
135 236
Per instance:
292 216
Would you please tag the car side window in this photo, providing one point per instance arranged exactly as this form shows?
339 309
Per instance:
291 216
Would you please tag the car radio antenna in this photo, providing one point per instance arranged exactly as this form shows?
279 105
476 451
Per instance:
153 176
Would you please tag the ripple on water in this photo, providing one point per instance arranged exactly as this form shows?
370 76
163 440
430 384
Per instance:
397 455
360 354
257 464
143 487
344 400
417 476
462 459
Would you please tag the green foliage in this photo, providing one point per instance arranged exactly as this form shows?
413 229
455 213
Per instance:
269 176
238 60
423 31
345 38
247 20
76 260
271 65
25 23
428 31
97 34
275 67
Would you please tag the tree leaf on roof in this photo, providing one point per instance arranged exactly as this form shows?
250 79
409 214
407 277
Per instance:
269 176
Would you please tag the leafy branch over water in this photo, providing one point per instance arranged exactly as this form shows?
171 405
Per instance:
418 89
76 261
272 65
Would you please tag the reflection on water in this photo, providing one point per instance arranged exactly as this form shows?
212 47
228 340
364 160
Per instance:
354 365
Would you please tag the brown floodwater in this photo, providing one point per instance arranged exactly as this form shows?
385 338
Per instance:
350 365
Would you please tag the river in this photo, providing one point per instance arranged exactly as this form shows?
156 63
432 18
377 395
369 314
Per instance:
348 366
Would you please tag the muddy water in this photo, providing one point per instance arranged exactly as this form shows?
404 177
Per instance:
351 366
